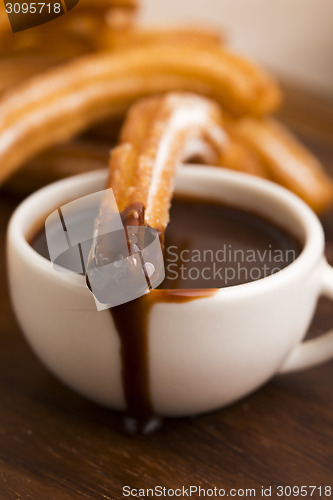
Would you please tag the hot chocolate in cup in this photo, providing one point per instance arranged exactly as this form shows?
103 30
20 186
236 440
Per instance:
203 349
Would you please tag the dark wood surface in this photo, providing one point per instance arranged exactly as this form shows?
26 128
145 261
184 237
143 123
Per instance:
56 445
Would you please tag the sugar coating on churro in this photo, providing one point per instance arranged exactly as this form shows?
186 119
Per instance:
158 134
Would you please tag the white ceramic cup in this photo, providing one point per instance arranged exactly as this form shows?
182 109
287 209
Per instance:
203 354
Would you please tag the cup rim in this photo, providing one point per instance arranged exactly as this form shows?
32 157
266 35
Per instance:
311 252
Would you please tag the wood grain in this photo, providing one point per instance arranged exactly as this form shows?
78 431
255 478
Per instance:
55 445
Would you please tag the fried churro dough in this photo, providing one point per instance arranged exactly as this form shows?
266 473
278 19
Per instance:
92 26
54 106
34 52
287 161
158 134
239 156
141 36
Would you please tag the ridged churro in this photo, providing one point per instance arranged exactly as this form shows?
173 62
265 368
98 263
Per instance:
141 36
33 52
52 107
90 27
158 134
287 161
239 156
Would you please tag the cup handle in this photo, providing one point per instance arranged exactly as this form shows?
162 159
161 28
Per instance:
318 350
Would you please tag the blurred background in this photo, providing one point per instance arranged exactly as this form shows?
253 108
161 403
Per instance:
292 38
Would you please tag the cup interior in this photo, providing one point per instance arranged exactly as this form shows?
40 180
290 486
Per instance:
242 191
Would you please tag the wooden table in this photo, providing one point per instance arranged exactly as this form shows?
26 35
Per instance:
55 445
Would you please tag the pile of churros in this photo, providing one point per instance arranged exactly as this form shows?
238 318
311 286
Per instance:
91 26
184 89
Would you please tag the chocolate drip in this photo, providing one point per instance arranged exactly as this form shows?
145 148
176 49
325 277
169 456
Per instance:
132 323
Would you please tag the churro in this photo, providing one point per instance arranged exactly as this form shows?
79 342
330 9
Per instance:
286 161
158 134
54 106
142 36
239 156
90 27
36 51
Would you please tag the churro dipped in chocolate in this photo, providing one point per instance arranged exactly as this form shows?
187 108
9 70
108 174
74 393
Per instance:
160 133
